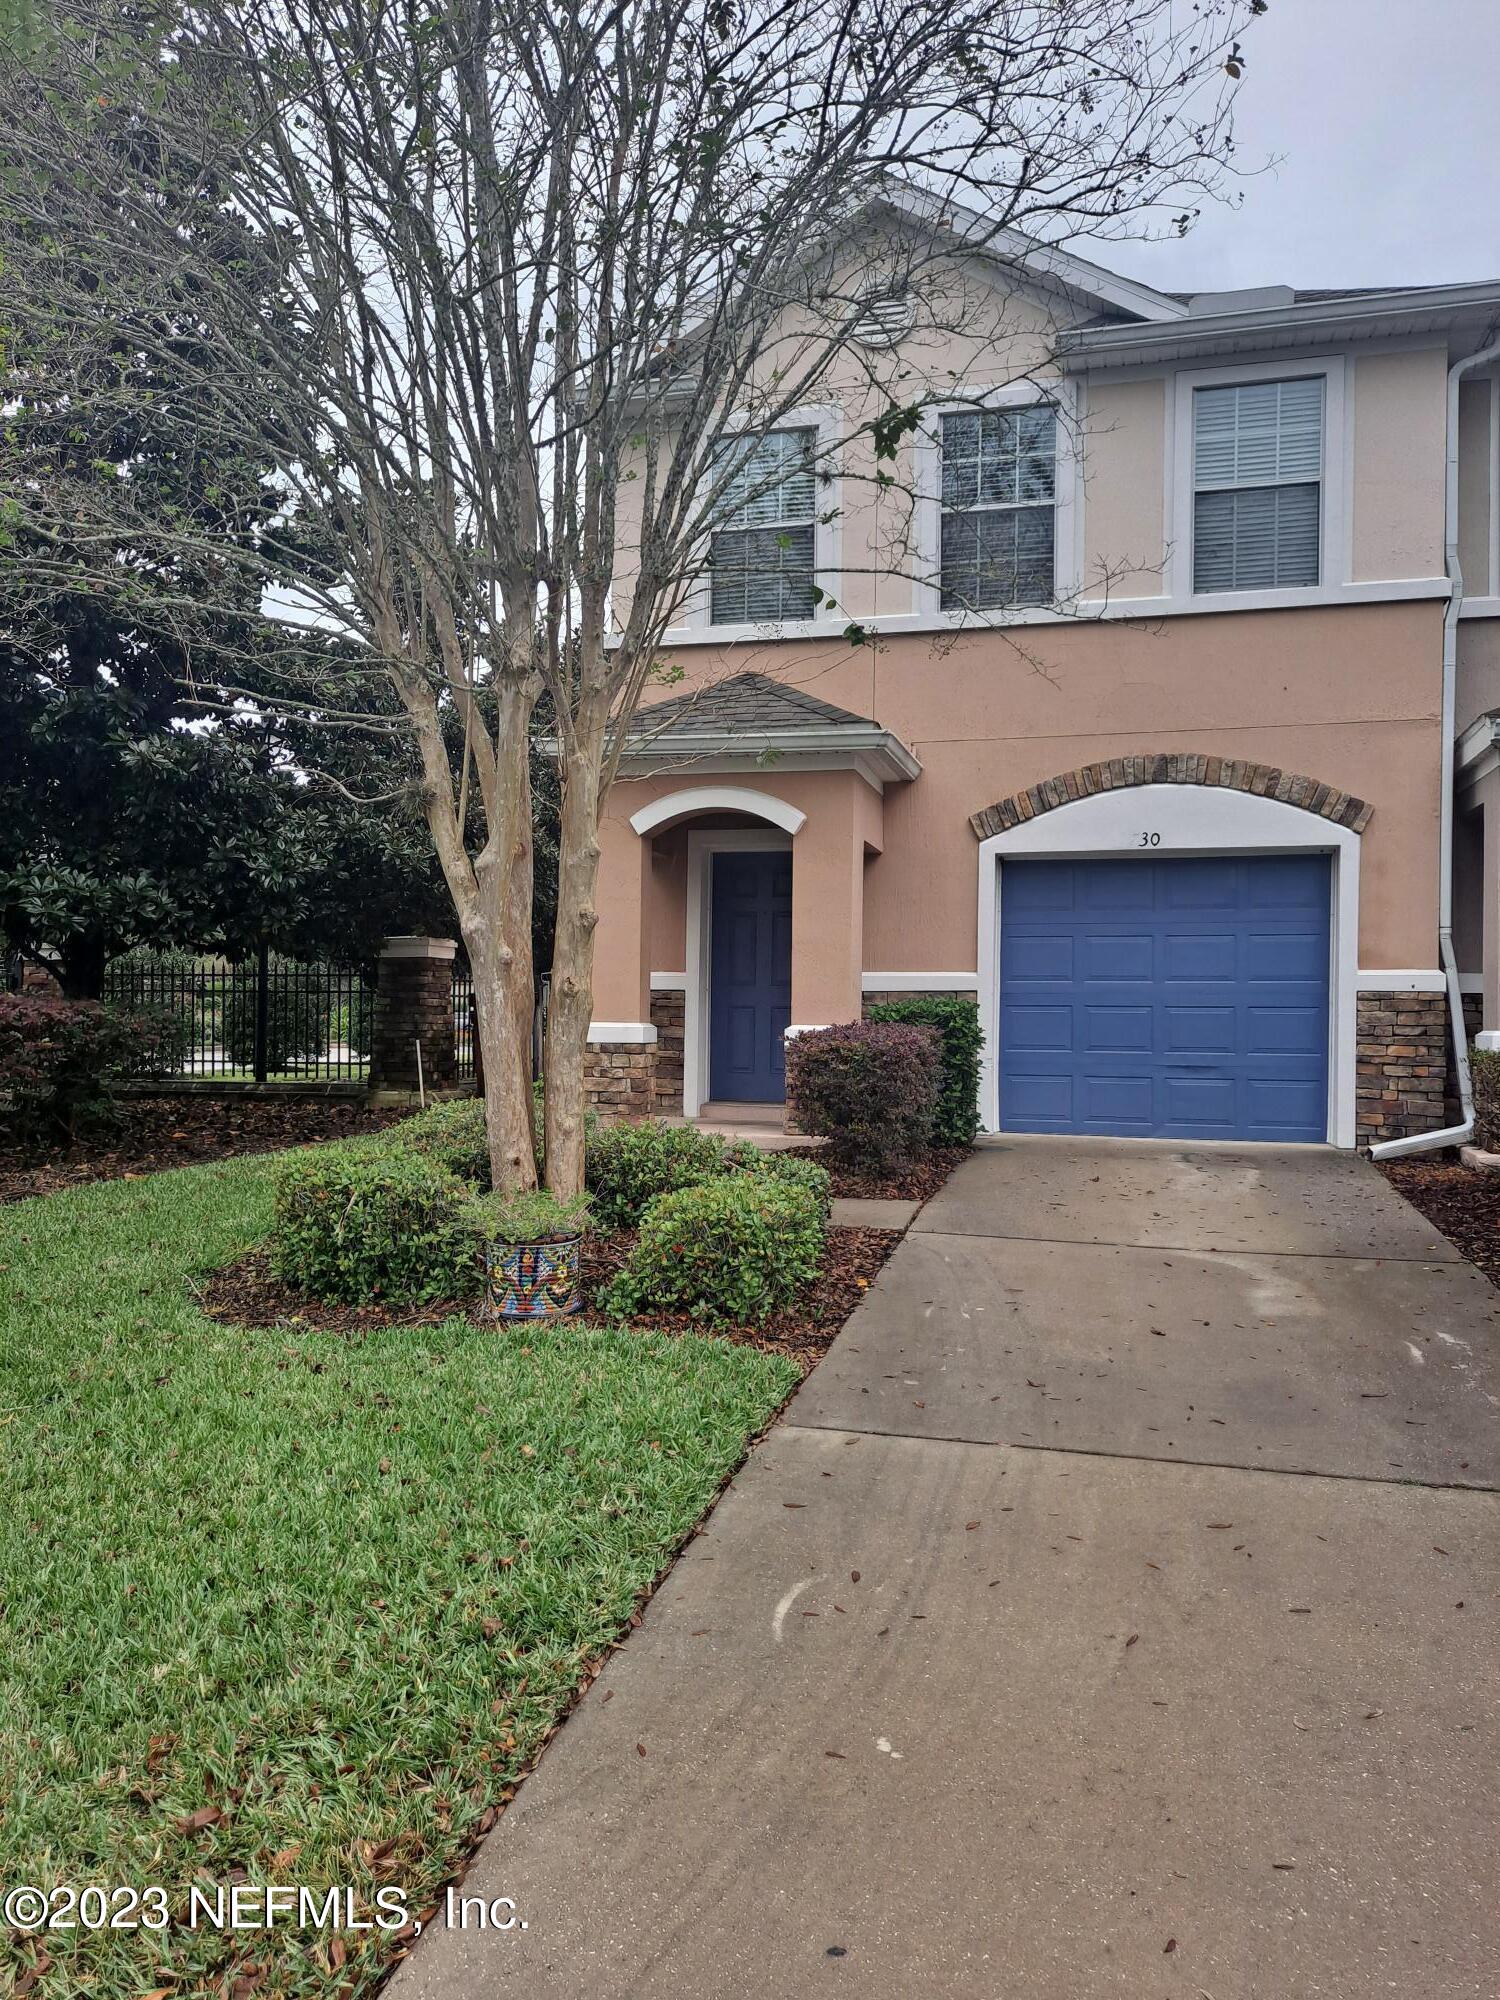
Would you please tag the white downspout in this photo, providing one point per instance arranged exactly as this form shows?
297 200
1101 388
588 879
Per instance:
1460 1134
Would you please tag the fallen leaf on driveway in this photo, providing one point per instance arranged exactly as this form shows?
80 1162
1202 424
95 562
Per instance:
640 1749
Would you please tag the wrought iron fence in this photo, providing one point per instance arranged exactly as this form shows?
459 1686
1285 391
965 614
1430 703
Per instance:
463 1021
262 1019
465 1037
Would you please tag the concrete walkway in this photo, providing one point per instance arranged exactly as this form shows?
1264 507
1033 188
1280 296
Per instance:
1114 1614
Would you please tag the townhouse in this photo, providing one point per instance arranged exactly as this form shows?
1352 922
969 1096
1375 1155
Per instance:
1172 736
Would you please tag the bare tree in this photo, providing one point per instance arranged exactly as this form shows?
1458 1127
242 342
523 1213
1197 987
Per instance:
535 269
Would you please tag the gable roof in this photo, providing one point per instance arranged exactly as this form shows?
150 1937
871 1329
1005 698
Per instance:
1047 264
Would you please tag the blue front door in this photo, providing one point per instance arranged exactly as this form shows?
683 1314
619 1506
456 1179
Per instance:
1183 998
750 977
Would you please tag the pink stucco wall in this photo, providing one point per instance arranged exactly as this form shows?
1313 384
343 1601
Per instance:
1346 695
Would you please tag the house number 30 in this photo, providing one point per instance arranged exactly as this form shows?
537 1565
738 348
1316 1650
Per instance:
1150 840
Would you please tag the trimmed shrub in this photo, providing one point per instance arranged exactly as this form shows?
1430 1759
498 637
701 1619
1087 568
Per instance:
744 1156
731 1250
630 1165
1485 1065
355 1223
956 1120
61 1061
870 1088
452 1135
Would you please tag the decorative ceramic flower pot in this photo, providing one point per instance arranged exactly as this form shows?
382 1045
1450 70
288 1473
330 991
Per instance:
532 1280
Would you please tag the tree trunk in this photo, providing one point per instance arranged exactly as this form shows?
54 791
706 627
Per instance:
499 946
571 1005
505 1082
80 971
492 898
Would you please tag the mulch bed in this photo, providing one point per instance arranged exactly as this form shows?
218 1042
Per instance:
158 1132
248 1294
919 1181
1460 1201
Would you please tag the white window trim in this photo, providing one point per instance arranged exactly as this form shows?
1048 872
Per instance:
927 611
1186 819
828 420
1333 519
697 1012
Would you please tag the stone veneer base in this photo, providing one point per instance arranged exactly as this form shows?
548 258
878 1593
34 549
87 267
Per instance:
1401 1065
1403 1083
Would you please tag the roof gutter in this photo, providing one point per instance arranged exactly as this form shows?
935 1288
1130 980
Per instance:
1460 1134
684 745
1098 346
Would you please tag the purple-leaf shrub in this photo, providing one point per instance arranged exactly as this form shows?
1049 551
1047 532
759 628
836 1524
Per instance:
61 1061
870 1088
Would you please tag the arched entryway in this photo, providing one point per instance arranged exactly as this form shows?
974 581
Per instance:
746 900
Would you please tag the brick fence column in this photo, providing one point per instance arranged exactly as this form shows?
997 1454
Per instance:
414 1003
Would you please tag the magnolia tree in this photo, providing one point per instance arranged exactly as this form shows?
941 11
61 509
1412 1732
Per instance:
509 285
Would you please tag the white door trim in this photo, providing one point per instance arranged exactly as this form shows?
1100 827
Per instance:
696 1012
1152 821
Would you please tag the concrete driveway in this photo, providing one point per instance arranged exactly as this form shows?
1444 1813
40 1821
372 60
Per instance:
1113 1614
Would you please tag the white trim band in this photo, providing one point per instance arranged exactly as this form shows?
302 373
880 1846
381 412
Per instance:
622 1032
1082 611
669 982
418 947
1399 982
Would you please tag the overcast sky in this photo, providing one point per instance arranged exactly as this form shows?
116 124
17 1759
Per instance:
1385 118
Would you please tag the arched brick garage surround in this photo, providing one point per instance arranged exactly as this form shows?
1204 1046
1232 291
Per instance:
1173 768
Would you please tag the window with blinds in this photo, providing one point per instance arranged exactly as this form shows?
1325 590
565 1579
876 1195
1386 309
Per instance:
999 496
762 561
1257 484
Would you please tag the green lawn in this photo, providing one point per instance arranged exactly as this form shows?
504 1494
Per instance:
335 1589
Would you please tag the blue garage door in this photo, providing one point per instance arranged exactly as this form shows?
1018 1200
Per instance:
1174 999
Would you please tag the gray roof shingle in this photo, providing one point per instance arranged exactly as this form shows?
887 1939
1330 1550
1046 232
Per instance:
749 703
